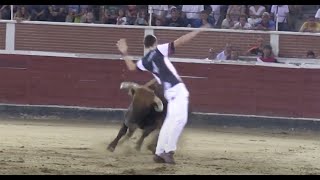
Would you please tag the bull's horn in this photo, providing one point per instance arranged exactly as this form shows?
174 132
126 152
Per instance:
159 104
127 85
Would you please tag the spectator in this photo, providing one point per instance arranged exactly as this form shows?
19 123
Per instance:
57 13
73 10
122 19
258 49
88 16
280 15
255 13
159 11
242 24
311 55
141 19
106 17
5 12
113 13
131 14
233 14
215 13
22 14
317 16
265 23
158 22
295 15
212 55
192 13
204 20
310 26
38 12
175 20
267 55
234 55
226 53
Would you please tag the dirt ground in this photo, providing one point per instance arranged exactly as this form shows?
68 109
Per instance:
50 147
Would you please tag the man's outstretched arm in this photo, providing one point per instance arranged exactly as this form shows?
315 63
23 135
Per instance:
123 48
187 37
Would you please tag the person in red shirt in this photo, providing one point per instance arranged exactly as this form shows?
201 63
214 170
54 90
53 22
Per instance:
267 55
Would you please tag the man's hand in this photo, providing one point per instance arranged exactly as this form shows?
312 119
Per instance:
122 46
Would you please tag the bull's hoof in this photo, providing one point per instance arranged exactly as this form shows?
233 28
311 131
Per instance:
111 148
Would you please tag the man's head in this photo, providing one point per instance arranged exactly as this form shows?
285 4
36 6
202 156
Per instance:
267 50
260 42
311 20
243 19
204 15
265 17
174 13
150 41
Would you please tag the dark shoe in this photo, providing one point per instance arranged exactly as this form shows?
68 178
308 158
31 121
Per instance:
168 157
158 159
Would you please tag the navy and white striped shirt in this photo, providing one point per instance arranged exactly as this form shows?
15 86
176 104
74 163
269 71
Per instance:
157 62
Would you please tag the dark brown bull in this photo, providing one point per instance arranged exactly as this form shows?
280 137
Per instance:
147 111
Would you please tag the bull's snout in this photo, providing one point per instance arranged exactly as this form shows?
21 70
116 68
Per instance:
159 104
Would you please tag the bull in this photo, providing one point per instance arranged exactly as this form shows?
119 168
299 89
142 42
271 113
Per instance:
146 111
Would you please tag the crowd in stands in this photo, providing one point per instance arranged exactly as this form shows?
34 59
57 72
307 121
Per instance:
261 52
251 17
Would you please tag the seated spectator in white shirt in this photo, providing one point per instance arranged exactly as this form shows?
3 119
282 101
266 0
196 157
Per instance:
226 53
192 13
317 16
159 11
255 14
242 24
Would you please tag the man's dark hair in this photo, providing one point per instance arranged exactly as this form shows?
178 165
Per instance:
267 47
149 41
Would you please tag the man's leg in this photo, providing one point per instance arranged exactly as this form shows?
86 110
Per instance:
177 123
164 135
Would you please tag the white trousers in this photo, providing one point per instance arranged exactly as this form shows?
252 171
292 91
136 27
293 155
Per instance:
176 118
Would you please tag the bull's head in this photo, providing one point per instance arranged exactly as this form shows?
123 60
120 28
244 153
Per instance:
132 89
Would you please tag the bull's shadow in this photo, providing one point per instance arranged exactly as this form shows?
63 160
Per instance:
146 111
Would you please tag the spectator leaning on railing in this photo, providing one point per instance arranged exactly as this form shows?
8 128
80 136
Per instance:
175 20
233 14
267 55
57 13
266 23
22 14
281 13
317 16
5 12
192 13
226 53
257 50
255 14
242 24
310 26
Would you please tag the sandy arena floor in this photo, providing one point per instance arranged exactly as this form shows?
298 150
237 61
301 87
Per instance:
34 147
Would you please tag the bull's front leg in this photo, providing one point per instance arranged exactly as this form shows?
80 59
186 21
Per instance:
145 133
153 144
122 132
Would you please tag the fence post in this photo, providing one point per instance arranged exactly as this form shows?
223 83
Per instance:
10 36
11 9
150 11
274 42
